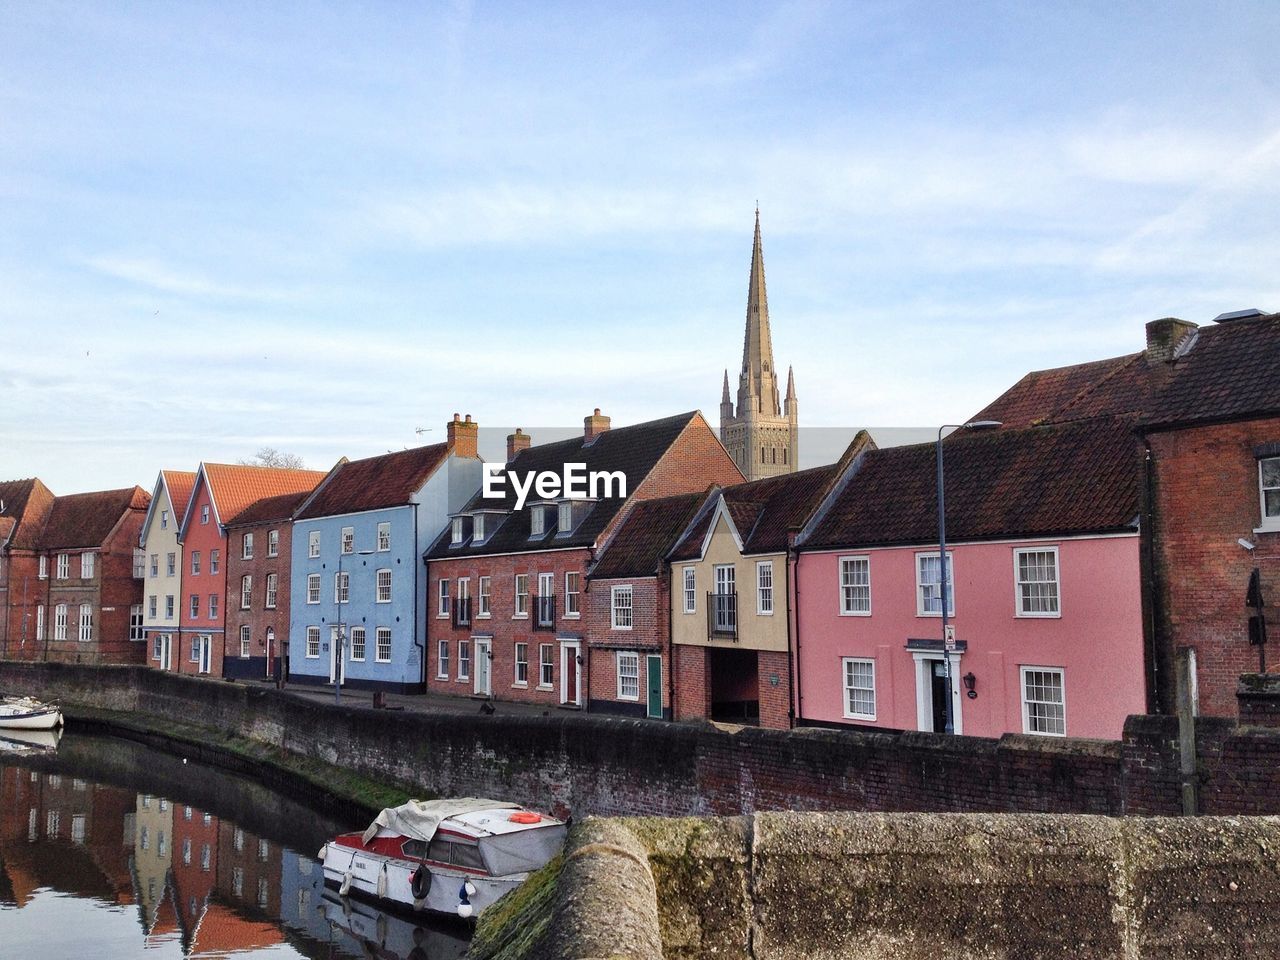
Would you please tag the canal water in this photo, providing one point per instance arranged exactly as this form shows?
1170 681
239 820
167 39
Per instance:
112 850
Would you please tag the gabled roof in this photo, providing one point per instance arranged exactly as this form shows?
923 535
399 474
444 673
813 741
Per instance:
24 505
1043 395
232 487
178 484
87 519
634 450
763 512
374 483
642 539
1072 478
280 507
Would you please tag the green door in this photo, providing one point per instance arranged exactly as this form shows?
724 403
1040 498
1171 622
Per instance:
655 686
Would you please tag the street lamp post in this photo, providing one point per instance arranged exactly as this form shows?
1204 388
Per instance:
339 668
942 556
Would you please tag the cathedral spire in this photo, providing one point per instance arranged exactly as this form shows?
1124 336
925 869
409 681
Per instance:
724 395
758 380
791 384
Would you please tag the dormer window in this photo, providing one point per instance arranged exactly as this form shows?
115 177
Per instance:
477 527
457 530
537 522
565 520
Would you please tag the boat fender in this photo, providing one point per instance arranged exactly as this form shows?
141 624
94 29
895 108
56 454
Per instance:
420 882
346 884
382 881
324 852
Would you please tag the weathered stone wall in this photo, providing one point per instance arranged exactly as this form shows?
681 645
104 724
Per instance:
602 765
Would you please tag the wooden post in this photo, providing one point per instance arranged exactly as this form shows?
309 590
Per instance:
1183 666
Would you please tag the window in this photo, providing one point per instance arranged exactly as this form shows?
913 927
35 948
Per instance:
313 544
357 643
157 646
1036 572
140 564
135 621
164 519
213 606
464 659
86 566
151 606
384 536
273 543
245 637
464 600
522 665
1044 708
273 590
764 587
690 590
246 592
928 596
1269 491
442 598
44 568
204 513
313 642
572 589
546 666
859 689
155 564
477 527
64 566
168 606
213 560
246 546
522 595
620 604
170 564
86 623
40 621
855 586
486 586
313 588
342 587
348 539
384 586
195 563
442 660
537 522
195 606
546 601
564 523
383 638
628 676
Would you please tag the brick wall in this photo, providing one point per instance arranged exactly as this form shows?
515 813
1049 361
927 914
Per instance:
259 617
650 607
695 461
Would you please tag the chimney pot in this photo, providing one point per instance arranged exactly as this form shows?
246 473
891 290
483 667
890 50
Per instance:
1163 337
464 436
594 425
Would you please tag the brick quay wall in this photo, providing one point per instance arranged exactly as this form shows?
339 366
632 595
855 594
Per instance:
592 765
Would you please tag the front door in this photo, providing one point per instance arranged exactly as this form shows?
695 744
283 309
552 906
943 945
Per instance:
931 694
570 673
271 651
483 665
166 651
654 672
337 660
206 653
938 696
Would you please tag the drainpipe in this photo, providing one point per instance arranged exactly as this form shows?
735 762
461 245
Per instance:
793 636
1152 577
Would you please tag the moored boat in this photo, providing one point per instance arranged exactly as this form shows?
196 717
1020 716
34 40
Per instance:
454 857
23 713
27 742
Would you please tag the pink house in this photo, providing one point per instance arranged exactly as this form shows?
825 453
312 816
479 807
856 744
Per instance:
1043 548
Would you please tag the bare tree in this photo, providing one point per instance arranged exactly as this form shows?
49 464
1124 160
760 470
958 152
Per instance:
271 457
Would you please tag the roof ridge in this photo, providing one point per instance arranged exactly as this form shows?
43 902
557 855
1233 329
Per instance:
1096 384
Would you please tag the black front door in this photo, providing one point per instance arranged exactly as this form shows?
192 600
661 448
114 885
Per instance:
939 691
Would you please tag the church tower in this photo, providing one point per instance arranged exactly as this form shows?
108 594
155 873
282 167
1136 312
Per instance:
760 434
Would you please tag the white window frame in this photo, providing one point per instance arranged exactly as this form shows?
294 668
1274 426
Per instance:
764 591
477 528
342 586
572 595
86 565
690 589
171 564
1269 522
153 607
246 545
1026 704
442 598
135 622
193 608
313 544
546 666
169 600
246 640
948 567
272 591
483 598
1019 608
521 660
195 563
464 661
213 561
164 519
40 621
622 616
313 588
358 644
43 573
155 565
628 669
846 663
384 536
537 521
84 625
312 651
273 543
246 591
64 566
348 541
849 585
455 532
60 622
564 517
204 514
383 590
213 606
521 597
442 660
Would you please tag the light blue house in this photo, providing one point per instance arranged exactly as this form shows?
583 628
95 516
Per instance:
357 584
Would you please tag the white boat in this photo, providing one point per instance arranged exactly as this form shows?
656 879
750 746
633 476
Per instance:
388 936
26 742
23 713
452 857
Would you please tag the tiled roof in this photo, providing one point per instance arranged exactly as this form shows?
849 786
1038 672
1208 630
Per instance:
633 449
14 495
1043 395
86 519
26 503
279 507
387 480
764 511
649 530
235 486
180 483
1057 480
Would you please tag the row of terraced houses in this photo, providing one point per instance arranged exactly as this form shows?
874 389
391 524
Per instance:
1114 512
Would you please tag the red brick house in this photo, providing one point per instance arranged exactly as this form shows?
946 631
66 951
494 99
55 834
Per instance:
257 599
506 615
1207 404
24 505
86 605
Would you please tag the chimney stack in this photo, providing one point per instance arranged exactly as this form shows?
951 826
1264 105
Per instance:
464 436
516 442
1163 337
594 425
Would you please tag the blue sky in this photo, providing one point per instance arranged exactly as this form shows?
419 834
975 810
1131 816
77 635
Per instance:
320 227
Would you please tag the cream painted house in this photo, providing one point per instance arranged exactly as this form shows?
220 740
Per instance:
162 555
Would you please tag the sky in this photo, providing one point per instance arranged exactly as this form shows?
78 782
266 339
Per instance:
325 228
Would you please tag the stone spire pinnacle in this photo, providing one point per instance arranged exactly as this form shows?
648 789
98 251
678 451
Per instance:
791 384
724 395
757 384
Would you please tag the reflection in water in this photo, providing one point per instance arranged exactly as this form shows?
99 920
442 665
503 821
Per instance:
112 851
